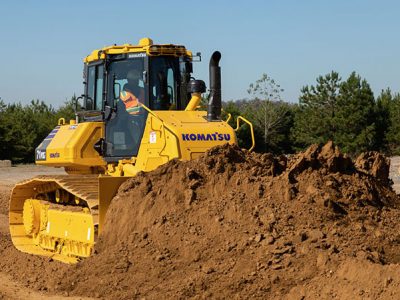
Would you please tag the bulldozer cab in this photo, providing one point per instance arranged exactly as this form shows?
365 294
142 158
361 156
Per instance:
117 87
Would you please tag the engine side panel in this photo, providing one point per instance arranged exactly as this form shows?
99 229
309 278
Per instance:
183 135
72 146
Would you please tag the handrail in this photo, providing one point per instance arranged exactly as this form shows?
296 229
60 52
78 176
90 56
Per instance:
253 142
150 111
229 117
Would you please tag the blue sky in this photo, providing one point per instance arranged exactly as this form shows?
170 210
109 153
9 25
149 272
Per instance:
43 42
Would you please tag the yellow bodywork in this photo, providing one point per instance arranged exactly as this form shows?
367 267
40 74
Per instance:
71 146
61 216
168 135
66 229
145 45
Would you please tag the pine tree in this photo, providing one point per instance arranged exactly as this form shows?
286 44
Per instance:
314 120
355 128
384 102
393 131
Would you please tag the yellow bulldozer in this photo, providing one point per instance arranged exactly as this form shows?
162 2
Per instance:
139 110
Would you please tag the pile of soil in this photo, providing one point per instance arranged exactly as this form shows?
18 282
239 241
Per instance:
315 225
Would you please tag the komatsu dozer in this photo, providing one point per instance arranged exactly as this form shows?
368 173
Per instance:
139 110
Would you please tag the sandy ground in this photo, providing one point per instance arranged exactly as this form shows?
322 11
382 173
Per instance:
10 176
10 289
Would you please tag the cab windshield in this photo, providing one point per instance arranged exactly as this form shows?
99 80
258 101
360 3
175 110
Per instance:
127 75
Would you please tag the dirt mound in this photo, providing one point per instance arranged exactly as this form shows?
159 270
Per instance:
244 224
239 223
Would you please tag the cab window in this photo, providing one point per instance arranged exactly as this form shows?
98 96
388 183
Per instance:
99 88
164 72
95 81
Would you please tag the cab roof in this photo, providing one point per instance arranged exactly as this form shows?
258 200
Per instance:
144 45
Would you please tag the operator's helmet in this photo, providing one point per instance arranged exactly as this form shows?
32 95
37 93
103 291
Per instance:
133 75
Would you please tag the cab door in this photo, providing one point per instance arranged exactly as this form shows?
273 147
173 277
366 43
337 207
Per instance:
125 127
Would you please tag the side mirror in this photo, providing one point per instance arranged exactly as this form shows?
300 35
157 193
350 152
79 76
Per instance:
79 103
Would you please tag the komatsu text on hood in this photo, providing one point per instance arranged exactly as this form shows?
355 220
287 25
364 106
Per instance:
206 136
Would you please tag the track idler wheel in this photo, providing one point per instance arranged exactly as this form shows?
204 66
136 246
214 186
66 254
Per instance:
31 216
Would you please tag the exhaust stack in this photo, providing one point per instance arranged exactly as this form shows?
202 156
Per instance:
215 102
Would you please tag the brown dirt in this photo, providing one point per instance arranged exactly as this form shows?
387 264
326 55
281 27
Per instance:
316 225
4 198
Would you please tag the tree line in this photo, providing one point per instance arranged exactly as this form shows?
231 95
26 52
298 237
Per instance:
344 111
23 127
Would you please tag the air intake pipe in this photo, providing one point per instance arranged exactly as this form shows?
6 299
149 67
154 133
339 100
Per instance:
215 102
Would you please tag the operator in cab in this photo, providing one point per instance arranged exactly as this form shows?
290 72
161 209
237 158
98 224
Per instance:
132 94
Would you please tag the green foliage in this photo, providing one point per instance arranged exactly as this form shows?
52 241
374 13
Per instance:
22 128
271 117
343 111
314 119
265 88
392 103
67 111
356 116
272 121
383 110
235 109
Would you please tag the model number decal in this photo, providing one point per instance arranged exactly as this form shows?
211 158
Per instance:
40 154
